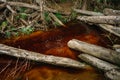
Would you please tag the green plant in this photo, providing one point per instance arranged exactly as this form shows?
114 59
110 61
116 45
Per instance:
26 30
22 9
7 34
73 15
61 18
23 15
3 25
47 17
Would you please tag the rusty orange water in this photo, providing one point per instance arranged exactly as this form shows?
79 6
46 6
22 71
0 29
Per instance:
54 42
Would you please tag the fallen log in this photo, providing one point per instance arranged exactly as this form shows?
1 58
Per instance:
111 71
90 13
97 51
100 19
59 61
110 28
116 47
108 11
113 74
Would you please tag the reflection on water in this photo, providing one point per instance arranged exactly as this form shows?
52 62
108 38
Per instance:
54 42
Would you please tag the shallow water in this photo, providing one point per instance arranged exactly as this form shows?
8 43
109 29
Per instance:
54 42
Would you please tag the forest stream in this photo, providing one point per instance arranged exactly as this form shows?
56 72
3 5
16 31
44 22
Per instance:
53 42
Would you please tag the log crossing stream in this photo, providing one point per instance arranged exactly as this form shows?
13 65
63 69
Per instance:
53 42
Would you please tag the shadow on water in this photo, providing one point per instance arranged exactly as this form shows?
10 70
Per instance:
54 42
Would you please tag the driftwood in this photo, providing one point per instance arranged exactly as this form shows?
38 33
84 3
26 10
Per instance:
59 61
108 11
97 51
100 19
90 13
111 71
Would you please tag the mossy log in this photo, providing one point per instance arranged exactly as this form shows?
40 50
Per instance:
59 61
97 51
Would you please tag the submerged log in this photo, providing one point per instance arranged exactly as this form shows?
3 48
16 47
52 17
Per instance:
111 71
100 19
90 13
59 61
108 11
97 51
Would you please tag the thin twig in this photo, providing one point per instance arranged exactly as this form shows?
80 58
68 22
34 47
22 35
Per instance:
9 63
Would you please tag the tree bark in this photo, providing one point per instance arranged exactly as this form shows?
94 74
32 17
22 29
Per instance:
90 13
111 71
100 19
108 11
112 29
97 51
117 47
59 61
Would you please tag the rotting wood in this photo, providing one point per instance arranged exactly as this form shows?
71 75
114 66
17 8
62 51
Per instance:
90 13
100 19
108 11
94 50
59 61
111 71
